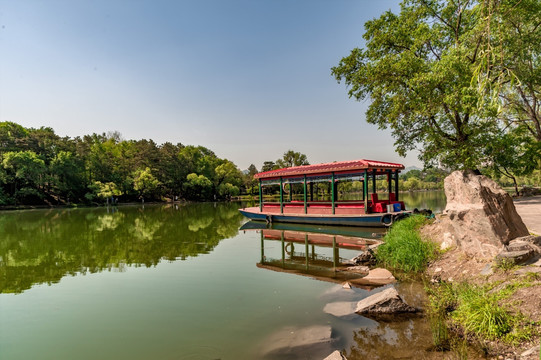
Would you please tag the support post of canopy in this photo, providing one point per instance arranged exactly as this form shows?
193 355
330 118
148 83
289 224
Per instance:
260 196
374 181
389 184
396 184
290 192
281 196
311 191
365 192
305 197
332 193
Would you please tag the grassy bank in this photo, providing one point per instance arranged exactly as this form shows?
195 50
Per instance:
486 315
403 249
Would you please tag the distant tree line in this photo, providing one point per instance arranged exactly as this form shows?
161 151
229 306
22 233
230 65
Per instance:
39 167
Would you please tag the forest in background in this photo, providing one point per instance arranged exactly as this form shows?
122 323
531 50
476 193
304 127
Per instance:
40 167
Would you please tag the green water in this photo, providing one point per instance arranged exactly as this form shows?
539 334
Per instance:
164 282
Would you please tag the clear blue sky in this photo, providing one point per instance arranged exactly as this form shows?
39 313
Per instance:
249 79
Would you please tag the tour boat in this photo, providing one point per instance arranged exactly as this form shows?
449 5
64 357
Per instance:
370 210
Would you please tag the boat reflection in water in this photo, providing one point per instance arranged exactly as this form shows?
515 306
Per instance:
322 253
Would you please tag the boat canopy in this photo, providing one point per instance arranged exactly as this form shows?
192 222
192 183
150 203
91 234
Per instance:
336 168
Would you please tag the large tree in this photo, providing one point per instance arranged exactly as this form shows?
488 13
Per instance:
416 69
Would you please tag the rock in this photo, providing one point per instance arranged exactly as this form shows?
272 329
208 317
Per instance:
340 308
487 270
366 257
519 250
514 257
448 241
293 340
346 285
377 276
531 239
531 351
336 355
480 216
387 301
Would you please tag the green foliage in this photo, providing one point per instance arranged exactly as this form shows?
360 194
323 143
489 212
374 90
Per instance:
292 158
478 311
454 80
197 187
268 166
106 190
37 166
145 183
403 249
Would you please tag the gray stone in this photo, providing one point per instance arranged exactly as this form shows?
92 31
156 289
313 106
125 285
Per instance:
531 351
336 355
480 216
487 270
531 239
514 257
377 276
366 257
340 308
387 301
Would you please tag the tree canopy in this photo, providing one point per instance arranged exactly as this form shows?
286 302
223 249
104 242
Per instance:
38 167
444 80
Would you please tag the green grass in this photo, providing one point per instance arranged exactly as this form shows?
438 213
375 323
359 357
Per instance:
479 312
403 249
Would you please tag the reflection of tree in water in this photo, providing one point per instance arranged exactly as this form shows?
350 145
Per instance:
43 246
406 339
200 223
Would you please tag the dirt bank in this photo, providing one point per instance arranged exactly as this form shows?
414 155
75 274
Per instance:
455 266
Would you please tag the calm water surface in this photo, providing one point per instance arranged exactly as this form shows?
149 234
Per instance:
173 282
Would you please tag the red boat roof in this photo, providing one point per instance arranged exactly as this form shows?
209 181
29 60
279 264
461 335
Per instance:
324 169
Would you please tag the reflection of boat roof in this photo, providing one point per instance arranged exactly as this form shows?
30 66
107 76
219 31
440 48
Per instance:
339 167
321 239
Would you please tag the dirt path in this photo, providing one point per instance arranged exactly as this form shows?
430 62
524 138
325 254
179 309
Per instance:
529 208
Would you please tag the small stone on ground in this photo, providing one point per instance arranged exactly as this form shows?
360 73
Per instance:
336 355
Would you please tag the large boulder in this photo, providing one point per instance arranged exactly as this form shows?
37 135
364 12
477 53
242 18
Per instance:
384 302
480 217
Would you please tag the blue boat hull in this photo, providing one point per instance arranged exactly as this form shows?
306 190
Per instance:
369 220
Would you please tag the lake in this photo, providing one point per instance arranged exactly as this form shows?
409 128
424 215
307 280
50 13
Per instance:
179 282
